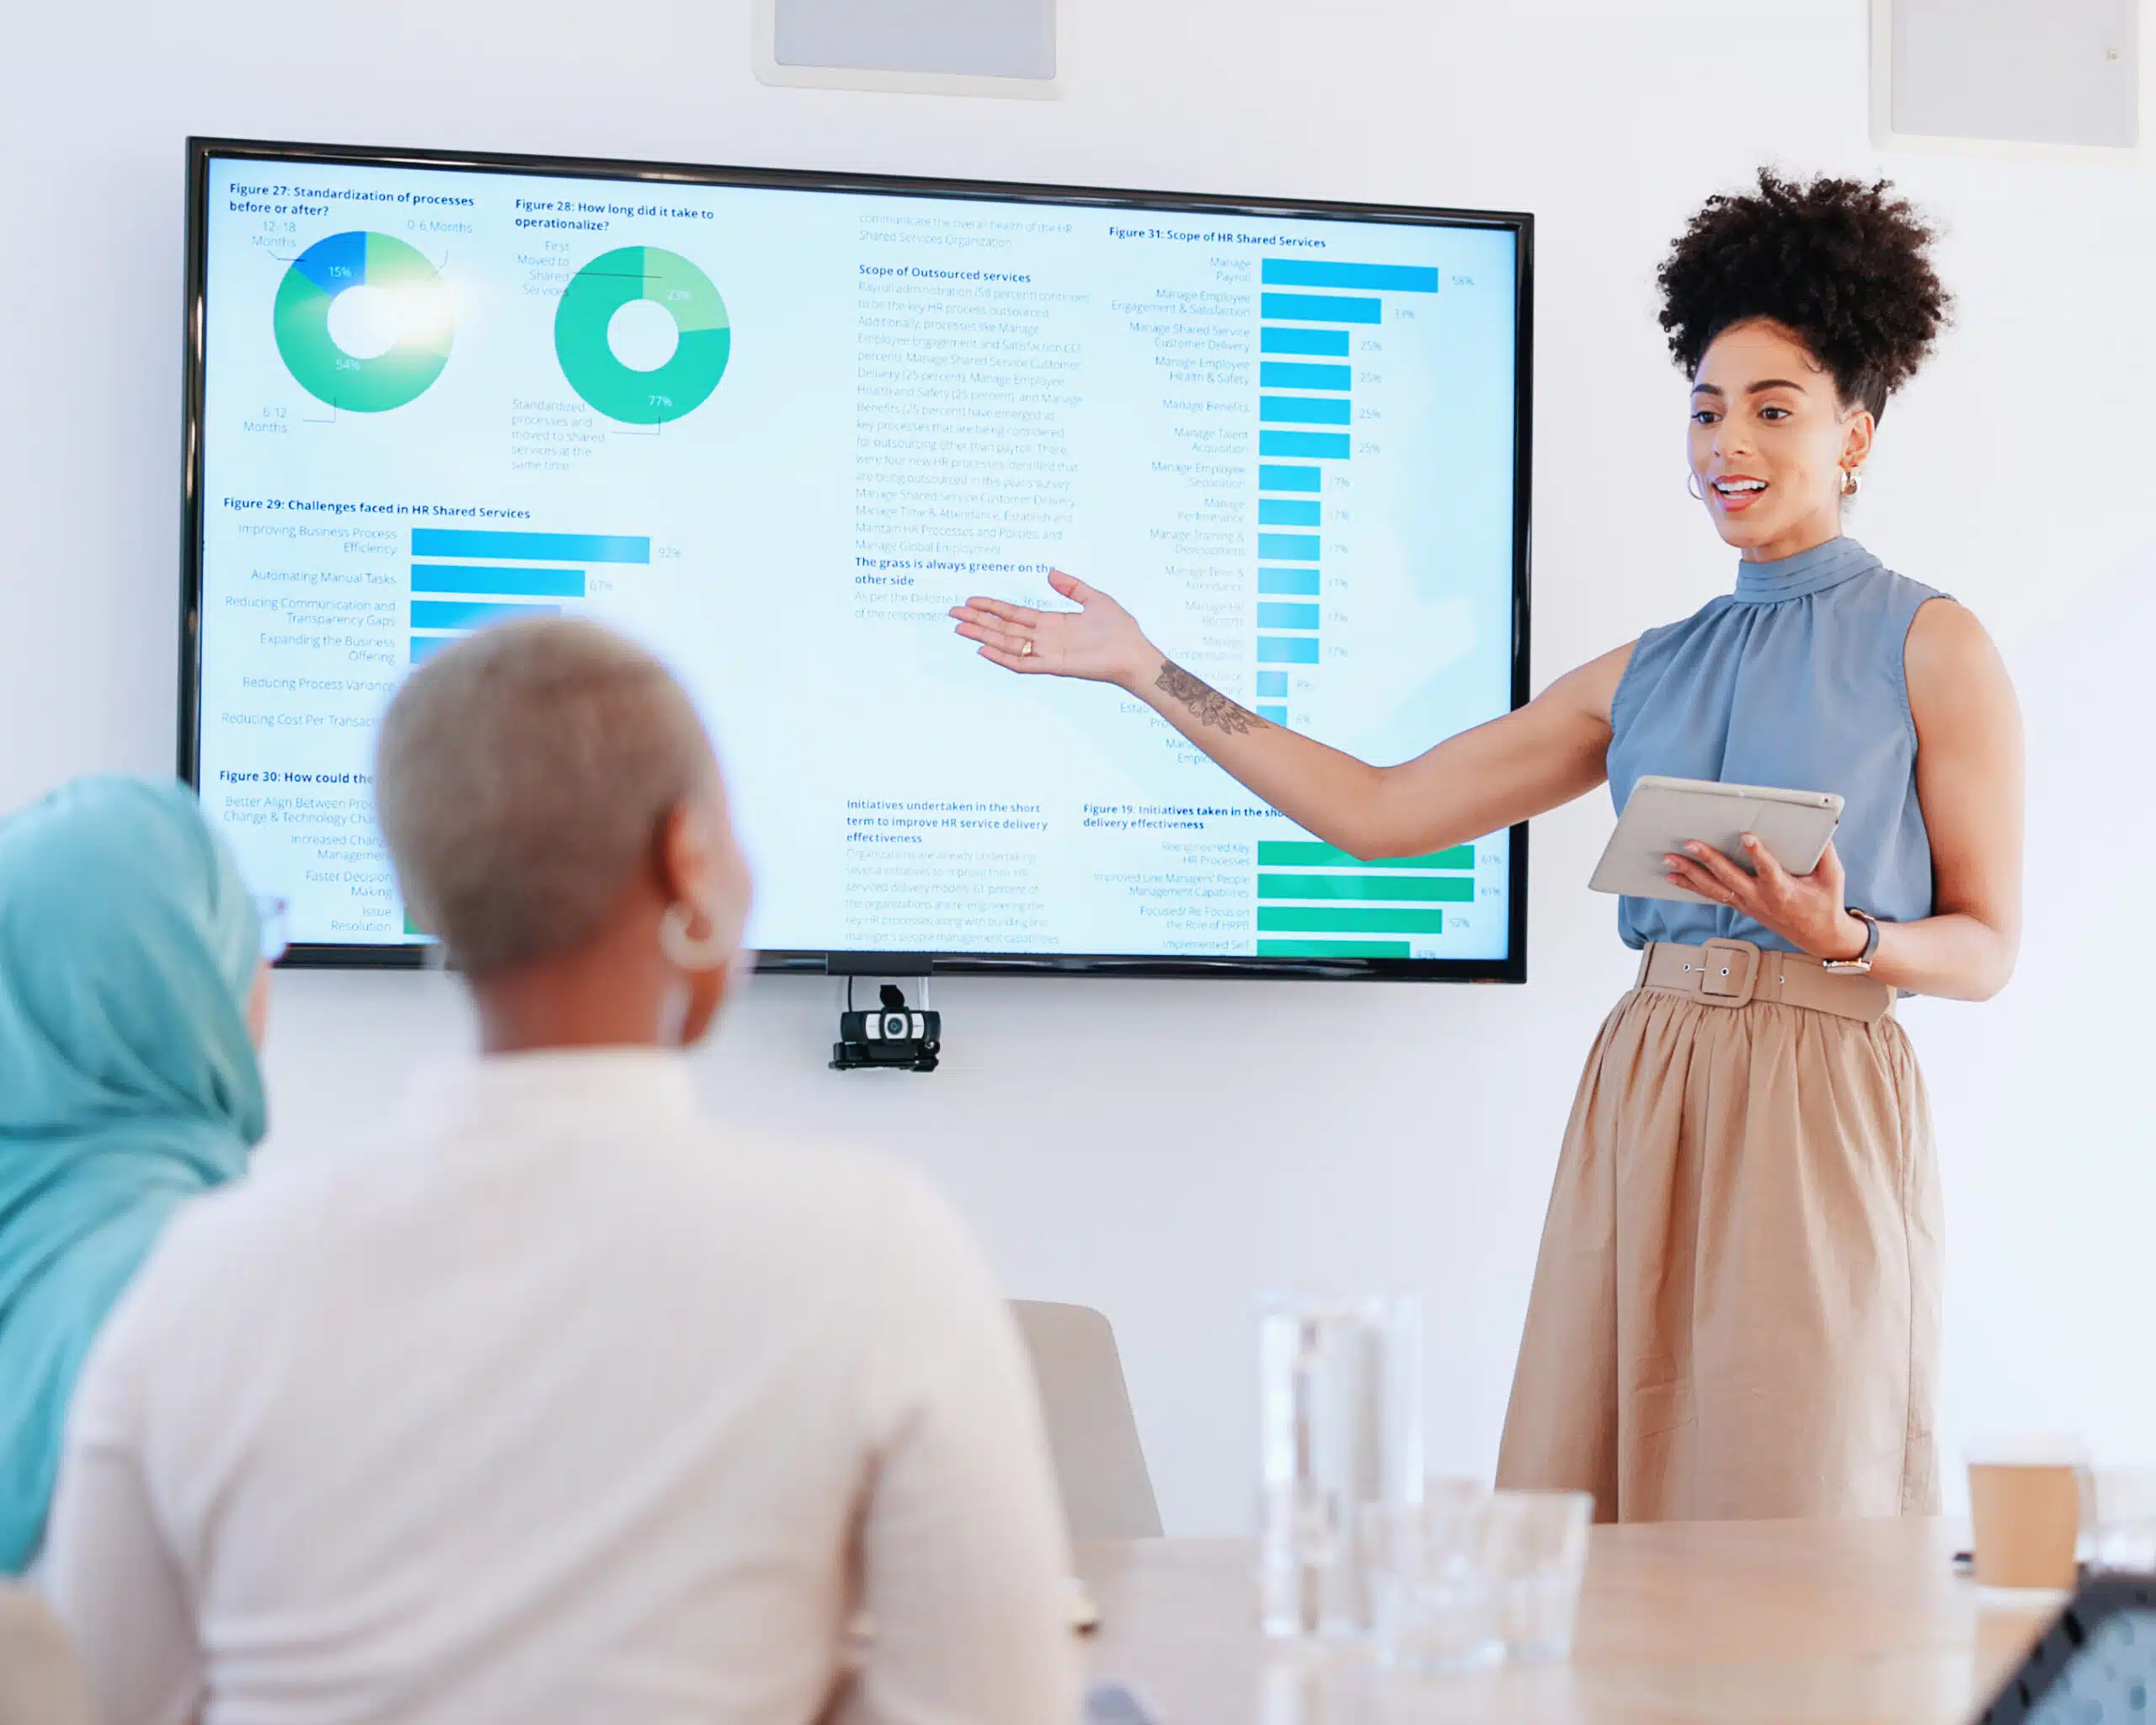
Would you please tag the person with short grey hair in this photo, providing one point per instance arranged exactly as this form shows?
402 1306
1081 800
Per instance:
557 1404
535 783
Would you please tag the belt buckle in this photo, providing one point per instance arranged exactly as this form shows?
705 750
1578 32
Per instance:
1728 983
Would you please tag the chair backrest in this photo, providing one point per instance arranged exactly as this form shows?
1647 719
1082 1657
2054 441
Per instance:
1107 1492
39 1682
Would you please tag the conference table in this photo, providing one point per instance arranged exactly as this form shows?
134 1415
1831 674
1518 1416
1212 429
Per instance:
1782 1621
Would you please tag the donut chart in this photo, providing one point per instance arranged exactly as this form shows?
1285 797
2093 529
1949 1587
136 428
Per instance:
362 385
618 278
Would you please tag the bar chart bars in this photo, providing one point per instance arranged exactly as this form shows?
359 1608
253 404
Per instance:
1315 902
465 579
1311 310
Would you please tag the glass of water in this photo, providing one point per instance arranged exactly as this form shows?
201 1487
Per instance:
1341 1430
1438 1603
1537 1550
2118 1519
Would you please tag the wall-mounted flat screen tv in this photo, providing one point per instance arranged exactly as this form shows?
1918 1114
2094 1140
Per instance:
775 424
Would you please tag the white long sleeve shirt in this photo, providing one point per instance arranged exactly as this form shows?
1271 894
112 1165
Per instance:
563 1408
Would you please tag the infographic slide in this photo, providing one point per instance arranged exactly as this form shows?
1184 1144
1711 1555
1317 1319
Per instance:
775 433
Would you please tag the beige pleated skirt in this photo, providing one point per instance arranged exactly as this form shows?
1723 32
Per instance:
1736 1310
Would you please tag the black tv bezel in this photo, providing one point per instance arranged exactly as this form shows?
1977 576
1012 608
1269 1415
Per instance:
202 151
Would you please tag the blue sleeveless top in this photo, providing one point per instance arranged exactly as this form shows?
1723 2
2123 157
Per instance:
1794 680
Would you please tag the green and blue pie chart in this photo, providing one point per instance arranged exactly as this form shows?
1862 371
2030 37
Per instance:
703 338
418 308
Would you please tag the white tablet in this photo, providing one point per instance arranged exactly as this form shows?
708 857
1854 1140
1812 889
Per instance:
1662 816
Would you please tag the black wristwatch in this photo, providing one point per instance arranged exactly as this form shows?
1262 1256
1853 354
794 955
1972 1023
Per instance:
1861 963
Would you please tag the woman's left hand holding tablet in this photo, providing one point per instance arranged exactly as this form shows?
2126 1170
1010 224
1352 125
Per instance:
1806 910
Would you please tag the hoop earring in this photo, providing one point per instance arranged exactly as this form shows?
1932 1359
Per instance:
685 949
1851 482
1692 488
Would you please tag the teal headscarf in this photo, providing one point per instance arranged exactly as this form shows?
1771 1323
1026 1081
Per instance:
128 945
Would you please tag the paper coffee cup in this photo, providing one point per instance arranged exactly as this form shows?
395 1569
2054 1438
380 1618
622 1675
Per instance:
2025 1499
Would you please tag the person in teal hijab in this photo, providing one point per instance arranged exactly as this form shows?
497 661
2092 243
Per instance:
131 994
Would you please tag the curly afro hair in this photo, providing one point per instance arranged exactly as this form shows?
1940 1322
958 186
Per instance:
1841 264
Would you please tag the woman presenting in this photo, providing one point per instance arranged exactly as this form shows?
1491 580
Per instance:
1736 1310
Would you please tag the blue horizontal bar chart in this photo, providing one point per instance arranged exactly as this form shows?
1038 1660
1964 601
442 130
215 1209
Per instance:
1309 397
1322 343
1295 374
509 583
471 613
506 546
1323 272
1304 409
1319 308
1305 446
425 647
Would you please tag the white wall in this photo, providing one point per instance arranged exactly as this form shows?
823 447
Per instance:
1161 1149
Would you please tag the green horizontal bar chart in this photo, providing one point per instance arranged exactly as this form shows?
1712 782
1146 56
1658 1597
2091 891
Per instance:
1308 853
1414 888
1334 949
1305 919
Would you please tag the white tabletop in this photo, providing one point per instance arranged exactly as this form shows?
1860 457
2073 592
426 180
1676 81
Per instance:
1788 1621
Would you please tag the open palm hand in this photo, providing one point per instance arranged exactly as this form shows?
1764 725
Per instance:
1100 642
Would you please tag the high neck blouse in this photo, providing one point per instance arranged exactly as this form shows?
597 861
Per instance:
1794 680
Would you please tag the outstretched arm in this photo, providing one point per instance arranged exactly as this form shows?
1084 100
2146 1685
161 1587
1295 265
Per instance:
1480 781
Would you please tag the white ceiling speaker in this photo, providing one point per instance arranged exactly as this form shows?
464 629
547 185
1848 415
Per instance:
928 47
2019 76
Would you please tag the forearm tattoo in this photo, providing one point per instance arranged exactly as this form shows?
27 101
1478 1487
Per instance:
1207 704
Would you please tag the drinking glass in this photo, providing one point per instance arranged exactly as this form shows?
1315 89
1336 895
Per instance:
1341 1430
1538 1552
2118 1519
1438 1600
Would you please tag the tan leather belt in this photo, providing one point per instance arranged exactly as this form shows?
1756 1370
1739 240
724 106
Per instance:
1735 973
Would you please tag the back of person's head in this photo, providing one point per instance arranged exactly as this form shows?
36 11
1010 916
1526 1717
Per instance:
557 820
130 965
